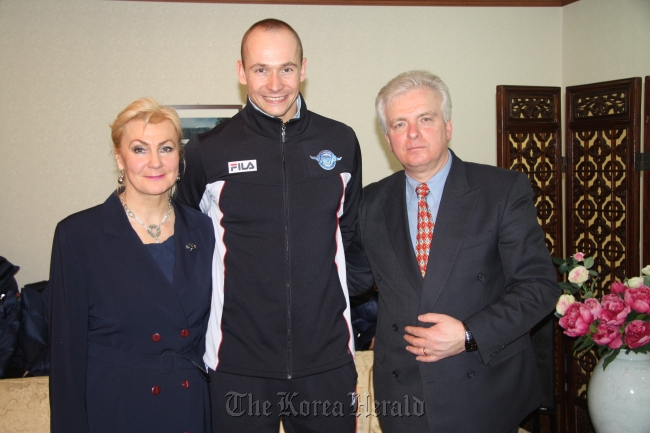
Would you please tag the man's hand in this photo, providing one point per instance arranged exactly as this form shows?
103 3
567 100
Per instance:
445 338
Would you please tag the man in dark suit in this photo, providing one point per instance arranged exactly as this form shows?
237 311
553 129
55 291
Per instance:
462 271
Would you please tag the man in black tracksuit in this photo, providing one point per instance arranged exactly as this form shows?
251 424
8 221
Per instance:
282 186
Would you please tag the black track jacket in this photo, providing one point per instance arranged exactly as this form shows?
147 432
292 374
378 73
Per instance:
283 199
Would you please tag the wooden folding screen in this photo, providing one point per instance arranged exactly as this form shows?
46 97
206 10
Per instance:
602 186
529 140
646 176
602 207
602 201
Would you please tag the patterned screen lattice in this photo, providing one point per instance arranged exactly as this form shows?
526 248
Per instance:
534 153
602 206
529 140
646 175
528 135
601 198
598 197
602 201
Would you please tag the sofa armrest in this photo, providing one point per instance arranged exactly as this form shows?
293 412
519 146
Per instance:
25 405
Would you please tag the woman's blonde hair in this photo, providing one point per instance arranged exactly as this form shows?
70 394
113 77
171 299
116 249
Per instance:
149 111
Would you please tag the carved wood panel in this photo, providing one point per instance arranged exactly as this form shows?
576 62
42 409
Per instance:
602 204
646 176
529 140
602 200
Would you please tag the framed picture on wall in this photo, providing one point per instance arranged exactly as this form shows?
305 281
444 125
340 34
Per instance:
196 119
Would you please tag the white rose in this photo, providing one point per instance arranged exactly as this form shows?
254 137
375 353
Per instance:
635 282
578 275
563 303
646 270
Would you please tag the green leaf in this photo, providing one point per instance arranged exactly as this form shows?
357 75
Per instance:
563 268
610 358
567 286
581 346
589 262
589 294
593 273
558 260
577 343
646 281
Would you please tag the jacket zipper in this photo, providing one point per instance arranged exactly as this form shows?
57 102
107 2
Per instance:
287 255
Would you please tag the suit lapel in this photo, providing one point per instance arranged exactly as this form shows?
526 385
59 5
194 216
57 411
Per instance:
123 243
454 215
395 214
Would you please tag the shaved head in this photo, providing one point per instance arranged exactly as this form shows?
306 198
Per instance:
270 25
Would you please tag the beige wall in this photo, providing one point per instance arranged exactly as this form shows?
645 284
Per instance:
605 40
68 66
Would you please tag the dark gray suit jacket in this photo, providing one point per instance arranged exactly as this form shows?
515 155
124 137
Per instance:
489 267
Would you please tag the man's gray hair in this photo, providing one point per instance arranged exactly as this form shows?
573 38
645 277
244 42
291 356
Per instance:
407 81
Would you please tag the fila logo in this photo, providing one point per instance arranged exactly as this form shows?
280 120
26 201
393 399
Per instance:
242 166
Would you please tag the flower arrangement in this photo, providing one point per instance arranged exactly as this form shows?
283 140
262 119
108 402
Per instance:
618 321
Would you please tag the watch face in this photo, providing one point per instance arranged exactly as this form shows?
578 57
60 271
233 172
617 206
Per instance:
470 343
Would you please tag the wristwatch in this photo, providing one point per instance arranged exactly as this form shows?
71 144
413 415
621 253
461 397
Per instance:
470 343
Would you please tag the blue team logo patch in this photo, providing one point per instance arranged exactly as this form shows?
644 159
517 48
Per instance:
326 159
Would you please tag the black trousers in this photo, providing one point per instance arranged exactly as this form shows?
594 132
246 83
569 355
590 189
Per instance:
320 403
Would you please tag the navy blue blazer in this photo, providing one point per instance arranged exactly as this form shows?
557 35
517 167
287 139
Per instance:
489 267
123 339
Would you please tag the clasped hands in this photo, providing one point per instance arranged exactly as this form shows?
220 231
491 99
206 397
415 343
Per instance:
446 337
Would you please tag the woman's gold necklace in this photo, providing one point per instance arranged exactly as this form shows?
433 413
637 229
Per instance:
153 229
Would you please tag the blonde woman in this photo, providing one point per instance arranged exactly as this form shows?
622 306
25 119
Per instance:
130 285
